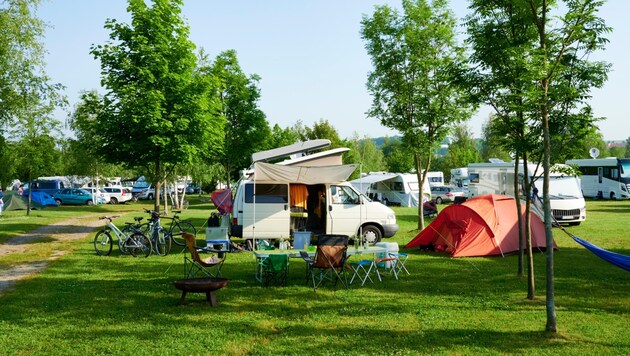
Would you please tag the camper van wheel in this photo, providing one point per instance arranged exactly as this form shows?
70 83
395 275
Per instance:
150 196
438 200
372 234
612 196
58 202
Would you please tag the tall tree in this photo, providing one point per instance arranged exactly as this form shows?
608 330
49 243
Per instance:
28 98
156 111
246 129
413 55
562 44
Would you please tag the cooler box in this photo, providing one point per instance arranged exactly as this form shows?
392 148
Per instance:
301 240
392 247
217 236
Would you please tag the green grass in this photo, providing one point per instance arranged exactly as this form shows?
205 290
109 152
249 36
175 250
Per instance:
86 304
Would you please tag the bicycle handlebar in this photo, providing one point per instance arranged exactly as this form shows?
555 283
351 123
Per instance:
109 217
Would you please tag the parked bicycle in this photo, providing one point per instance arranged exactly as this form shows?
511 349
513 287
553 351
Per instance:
130 239
164 238
156 233
178 228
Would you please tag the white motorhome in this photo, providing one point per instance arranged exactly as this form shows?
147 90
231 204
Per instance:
604 178
399 189
566 200
459 177
272 201
435 179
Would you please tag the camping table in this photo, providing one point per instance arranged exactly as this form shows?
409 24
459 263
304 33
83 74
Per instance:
262 254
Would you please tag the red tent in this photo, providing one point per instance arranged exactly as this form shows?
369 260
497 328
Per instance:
485 225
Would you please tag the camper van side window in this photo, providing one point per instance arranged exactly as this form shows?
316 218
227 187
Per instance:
267 193
474 178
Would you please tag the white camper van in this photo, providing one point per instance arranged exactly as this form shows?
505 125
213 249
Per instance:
566 200
399 189
272 201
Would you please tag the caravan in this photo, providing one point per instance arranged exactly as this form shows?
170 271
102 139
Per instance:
566 200
399 189
273 201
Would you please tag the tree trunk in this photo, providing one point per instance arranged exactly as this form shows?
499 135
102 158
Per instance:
519 213
421 178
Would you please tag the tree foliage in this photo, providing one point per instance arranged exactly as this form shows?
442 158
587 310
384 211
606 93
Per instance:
414 55
246 127
156 112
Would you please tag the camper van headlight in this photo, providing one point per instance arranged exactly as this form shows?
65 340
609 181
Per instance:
391 218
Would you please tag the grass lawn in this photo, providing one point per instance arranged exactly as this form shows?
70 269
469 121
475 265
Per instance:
86 304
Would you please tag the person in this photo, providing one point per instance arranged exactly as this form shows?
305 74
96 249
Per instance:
1 201
21 189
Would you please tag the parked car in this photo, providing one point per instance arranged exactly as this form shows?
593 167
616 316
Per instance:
119 194
193 189
446 194
102 196
74 196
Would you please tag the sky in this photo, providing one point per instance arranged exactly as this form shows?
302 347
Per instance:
309 54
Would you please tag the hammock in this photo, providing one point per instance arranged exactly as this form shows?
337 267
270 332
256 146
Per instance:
621 261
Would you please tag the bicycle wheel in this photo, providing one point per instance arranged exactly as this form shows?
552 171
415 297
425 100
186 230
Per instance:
127 231
138 245
161 242
103 243
180 227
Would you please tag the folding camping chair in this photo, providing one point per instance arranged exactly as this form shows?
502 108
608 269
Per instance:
194 265
330 260
274 270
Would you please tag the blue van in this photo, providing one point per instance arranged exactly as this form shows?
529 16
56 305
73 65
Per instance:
46 186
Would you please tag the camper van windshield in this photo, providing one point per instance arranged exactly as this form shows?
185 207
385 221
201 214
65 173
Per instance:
625 169
142 184
562 187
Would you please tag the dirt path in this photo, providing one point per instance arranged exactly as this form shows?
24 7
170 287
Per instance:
71 229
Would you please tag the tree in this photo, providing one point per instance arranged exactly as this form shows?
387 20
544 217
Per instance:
365 152
397 158
462 150
490 144
27 96
561 44
157 111
246 127
414 55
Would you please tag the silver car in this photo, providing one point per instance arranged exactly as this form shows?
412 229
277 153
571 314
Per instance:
446 194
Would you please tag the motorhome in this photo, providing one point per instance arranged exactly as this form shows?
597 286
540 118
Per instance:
396 189
435 179
604 178
459 177
273 201
566 200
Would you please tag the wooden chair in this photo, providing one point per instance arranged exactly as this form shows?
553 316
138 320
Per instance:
195 265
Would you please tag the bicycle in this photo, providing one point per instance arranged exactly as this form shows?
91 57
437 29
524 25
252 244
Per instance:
157 234
130 239
178 228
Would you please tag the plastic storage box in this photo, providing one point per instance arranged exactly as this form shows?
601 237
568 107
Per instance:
217 236
301 240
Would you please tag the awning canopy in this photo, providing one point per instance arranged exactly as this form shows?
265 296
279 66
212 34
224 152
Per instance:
364 183
273 173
